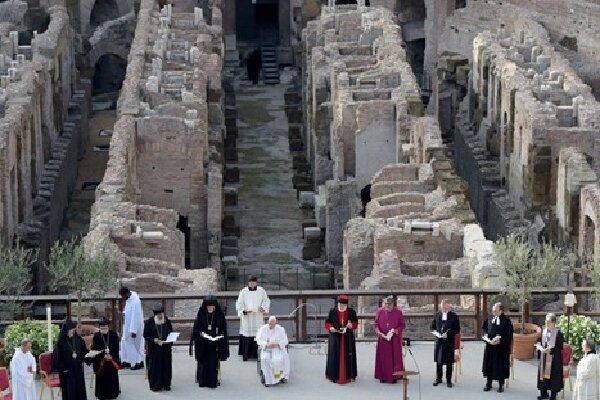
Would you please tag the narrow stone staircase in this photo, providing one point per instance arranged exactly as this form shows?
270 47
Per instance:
270 65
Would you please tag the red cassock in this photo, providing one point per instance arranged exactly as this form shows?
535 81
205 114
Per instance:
342 350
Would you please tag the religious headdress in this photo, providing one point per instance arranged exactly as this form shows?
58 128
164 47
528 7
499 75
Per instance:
158 309
210 300
343 298
103 321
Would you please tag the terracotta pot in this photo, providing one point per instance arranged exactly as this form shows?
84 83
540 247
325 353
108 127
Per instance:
523 343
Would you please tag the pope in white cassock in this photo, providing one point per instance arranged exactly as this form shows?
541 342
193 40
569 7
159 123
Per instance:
132 340
274 358
251 305
586 383
22 369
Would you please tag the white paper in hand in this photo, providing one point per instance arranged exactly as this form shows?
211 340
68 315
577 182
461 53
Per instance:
436 334
172 338
486 339
539 347
92 353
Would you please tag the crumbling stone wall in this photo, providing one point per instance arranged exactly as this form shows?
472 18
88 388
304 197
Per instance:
165 160
43 132
359 97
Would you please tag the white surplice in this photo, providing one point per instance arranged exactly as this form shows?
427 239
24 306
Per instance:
586 383
22 370
275 363
132 349
251 301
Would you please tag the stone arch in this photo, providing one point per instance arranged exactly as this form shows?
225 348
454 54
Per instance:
86 8
103 11
109 73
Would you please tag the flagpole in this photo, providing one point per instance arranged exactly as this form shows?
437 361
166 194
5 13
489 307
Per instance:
49 318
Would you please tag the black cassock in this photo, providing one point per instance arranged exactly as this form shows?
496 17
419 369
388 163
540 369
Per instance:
443 352
107 371
332 368
496 359
209 353
555 383
70 370
159 358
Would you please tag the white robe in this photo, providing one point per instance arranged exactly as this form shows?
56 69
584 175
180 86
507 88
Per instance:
252 300
132 350
23 383
275 363
586 383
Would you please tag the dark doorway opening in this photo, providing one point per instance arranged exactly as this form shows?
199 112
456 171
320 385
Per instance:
104 10
257 23
183 226
415 52
365 198
109 74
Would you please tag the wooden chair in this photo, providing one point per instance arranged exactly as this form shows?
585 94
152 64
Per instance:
458 347
50 380
567 362
5 385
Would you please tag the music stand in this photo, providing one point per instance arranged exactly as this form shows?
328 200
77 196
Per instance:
403 375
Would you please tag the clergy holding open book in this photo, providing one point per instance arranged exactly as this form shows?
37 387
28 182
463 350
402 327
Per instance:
159 357
104 355
251 305
550 371
341 357
445 326
209 338
496 356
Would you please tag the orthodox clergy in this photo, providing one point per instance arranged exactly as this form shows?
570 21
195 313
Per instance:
341 357
550 371
67 361
586 384
389 324
132 342
251 305
106 362
496 356
159 357
274 358
22 369
446 325
209 337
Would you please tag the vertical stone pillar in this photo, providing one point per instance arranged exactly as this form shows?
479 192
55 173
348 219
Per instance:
341 205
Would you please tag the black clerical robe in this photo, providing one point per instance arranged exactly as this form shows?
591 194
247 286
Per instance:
209 353
159 358
106 370
67 361
443 352
555 383
341 347
496 358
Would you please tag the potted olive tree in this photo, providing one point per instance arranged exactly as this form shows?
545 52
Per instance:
527 268
74 270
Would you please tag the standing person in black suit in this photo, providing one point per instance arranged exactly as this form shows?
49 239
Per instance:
446 324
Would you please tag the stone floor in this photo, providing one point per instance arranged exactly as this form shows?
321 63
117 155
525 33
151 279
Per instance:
307 381
267 211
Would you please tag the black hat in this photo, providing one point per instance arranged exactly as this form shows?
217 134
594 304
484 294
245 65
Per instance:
103 321
157 309
69 324
210 300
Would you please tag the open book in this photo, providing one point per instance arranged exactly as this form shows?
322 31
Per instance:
389 335
213 338
93 353
172 337
486 339
436 334
539 347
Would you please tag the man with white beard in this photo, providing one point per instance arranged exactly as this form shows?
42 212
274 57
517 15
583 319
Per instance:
274 358
251 304
22 369
132 341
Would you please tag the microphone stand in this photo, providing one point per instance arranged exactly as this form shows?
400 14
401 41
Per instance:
418 369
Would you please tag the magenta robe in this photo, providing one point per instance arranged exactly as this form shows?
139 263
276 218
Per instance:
388 356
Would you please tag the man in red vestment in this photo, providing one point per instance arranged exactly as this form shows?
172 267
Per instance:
341 357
